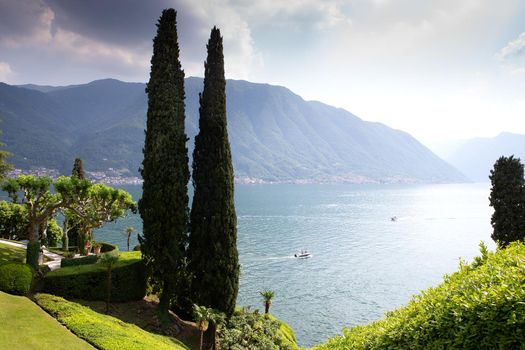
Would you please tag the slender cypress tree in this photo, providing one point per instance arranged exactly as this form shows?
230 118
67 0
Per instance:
164 203
78 169
507 197
213 257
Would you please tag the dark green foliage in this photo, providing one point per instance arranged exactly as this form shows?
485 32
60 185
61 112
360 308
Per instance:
213 255
78 169
32 254
15 278
507 197
108 247
13 221
54 233
479 307
136 248
252 330
164 203
85 260
89 281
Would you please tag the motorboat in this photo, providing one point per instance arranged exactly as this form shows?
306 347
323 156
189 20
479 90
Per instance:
393 218
303 254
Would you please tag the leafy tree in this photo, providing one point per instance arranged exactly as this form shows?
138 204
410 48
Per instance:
13 221
129 231
4 166
164 203
267 297
40 203
213 257
507 197
98 205
54 233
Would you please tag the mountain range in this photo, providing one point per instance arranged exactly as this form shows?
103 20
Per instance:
476 157
275 135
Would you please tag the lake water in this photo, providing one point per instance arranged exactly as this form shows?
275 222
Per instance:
363 263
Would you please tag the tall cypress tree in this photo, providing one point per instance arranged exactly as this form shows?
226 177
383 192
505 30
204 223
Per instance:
507 197
78 169
164 203
213 257
75 237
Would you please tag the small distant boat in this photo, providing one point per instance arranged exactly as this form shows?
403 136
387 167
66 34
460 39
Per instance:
303 254
393 218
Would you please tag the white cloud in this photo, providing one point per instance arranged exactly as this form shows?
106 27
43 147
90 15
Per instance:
512 55
5 71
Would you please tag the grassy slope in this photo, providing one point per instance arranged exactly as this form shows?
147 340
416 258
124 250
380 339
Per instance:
26 326
482 306
11 253
105 332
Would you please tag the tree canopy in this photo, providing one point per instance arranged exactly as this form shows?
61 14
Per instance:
213 256
164 203
507 197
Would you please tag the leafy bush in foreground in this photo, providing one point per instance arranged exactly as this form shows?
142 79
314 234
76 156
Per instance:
15 278
104 332
482 306
252 330
89 281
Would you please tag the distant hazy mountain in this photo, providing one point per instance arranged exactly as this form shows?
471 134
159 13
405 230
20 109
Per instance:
476 157
275 135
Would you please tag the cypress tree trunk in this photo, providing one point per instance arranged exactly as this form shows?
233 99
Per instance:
212 252
164 203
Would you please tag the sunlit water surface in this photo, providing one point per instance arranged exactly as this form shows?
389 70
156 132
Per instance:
363 263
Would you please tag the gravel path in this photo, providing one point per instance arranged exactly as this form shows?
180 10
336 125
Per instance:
54 259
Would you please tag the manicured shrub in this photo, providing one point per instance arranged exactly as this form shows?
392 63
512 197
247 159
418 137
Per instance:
479 307
15 278
104 332
89 281
33 252
85 260
54 233
107 247
137 248
252 330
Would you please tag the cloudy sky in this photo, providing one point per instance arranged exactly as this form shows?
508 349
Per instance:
439 69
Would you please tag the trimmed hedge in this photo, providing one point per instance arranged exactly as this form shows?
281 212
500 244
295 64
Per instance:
85 260
107 247
89 281
16 278
104 332
482 306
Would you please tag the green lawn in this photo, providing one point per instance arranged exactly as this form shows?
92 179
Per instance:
11 253
26 326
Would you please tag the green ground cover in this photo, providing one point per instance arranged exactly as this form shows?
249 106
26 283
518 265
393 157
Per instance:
105 332
482 306
26 326
11 253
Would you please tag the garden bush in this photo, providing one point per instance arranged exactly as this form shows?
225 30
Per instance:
108 247
104 332
253 330
482 306
85 260
137 248
16 278
89 281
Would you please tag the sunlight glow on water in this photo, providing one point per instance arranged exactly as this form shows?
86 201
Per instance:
363 264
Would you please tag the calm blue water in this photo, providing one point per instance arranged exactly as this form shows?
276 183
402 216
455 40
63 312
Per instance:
363 264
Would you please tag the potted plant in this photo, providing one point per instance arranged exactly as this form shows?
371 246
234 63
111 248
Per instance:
96 248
